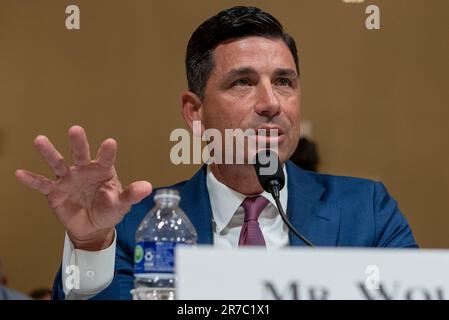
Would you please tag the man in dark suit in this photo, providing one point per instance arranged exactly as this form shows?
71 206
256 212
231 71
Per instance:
243 73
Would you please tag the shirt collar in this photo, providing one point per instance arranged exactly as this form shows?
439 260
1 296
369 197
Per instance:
225 201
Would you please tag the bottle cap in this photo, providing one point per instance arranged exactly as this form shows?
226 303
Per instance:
167 194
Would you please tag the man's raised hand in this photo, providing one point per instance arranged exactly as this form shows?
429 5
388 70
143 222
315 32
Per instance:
87 197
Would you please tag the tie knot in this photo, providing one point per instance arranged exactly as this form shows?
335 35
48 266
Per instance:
253 207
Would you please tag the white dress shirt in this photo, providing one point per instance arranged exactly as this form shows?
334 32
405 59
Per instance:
95 270
228 215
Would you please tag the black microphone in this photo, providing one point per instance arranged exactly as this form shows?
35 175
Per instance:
271 178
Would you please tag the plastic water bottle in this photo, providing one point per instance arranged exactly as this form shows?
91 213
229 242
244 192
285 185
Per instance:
164 228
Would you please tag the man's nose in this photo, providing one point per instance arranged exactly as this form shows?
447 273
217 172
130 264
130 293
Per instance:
268 103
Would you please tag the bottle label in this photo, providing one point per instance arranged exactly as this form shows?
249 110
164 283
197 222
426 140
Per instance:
154 257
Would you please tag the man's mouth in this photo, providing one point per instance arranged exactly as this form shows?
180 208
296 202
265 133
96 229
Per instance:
269 131
270 135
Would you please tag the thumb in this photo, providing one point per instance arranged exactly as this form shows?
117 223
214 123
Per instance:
134 193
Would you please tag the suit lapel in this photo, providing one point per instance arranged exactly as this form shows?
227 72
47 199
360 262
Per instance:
196 204
315 219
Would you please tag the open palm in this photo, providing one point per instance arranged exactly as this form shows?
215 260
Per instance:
87 197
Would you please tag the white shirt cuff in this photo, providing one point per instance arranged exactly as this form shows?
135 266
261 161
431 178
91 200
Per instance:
86 273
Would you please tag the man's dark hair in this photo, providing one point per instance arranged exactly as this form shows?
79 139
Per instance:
40 293
234 23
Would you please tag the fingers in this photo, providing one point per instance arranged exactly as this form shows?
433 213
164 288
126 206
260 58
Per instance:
53 158
79 146
107 152
133 194
35 181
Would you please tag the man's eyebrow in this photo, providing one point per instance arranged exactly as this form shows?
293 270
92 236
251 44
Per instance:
235 73
281 72
246 71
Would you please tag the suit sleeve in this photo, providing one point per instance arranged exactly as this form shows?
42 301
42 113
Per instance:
123 275
120 286
392 229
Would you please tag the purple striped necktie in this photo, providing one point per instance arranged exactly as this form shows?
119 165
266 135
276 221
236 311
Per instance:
251 235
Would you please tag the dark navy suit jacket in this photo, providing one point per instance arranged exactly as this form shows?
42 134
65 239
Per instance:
327 210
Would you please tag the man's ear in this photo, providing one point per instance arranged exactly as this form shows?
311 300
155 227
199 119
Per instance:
192 110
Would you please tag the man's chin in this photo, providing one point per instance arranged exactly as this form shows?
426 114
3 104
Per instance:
280 151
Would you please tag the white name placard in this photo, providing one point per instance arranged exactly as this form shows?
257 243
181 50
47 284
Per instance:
312 273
